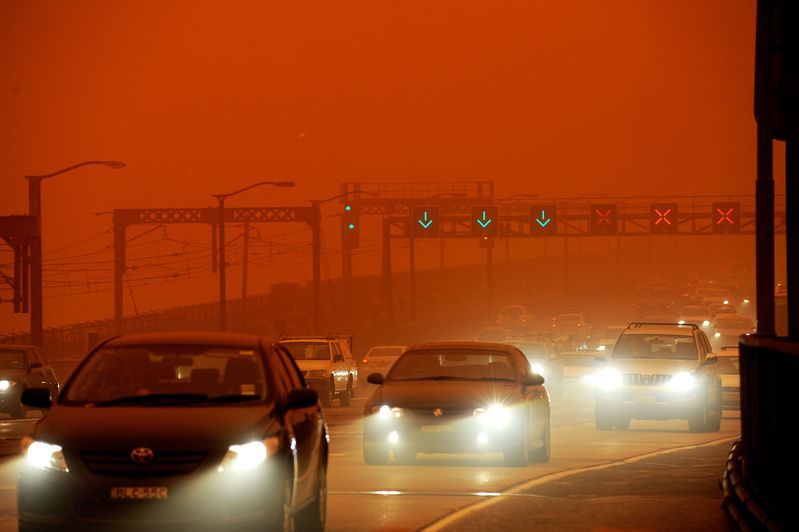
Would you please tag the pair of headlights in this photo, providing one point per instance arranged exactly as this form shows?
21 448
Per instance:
494 416
241 457
610 379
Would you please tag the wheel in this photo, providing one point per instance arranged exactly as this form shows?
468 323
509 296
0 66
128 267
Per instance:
345 399
697 422
542 453
603 419
405 456
313 516
327 396
517 455
713 415
375 454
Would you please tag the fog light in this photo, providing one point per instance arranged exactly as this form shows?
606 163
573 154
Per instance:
482 438
393 437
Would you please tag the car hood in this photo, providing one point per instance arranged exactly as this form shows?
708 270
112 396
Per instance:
190 426
309 365
444 394
653 365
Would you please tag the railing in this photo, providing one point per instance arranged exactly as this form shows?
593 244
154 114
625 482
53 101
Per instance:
769 370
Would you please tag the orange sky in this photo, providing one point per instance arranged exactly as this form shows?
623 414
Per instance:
587 96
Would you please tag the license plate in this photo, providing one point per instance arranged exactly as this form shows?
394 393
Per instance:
139 492
436 428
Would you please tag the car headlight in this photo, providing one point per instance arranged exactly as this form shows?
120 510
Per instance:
250 455
44 456
317 373
537 368
717 335
601 347
386 412
682 381
706 323
5 384
608 379
681 322
495 416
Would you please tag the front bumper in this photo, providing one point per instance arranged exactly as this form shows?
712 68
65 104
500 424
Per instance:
650 402
431 435
203 500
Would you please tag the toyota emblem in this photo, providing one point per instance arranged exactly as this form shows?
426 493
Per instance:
142 455
438 412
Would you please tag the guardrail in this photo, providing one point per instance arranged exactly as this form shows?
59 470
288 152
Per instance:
769 467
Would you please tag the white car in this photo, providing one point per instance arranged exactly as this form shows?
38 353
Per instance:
698 314
327 365
658 371
727 362
380 358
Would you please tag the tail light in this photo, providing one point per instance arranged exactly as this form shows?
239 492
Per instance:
365 360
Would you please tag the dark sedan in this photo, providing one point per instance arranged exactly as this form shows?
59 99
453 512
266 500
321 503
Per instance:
23 367
183 430
455 397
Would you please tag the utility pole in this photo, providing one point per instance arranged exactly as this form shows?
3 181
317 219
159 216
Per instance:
316 288
245 267
412 274
388 299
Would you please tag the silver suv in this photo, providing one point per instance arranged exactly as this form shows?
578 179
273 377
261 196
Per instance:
659 371
327 364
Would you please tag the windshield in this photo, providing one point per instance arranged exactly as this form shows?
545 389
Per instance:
385 351
12 359
192 374
308 350
734 323
491 336
655 346
727 365
453 364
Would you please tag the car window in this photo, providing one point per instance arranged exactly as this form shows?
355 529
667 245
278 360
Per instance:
336 349
655 346
308 350
115 373
12 359
454 364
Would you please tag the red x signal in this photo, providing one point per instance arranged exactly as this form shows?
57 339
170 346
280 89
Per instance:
724 216
663 216
603 217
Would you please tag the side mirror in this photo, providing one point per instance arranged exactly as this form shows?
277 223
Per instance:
375 378
302 398
338 358
38 398
533 380
35 365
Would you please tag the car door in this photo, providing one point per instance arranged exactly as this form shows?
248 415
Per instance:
304 424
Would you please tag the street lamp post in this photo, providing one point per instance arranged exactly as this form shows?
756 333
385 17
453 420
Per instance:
220 198
35 209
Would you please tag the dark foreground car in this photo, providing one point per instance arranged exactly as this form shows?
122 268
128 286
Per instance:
182 431
23 367
457 397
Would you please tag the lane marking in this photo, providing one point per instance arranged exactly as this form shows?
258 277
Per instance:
443 522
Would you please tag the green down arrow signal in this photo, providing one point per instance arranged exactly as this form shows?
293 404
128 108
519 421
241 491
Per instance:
543 221
426 223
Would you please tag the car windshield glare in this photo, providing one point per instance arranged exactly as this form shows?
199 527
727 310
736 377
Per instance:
308 350
655 346
169 375
12 359
453 364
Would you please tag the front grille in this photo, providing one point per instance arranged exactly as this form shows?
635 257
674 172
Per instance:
646 379
446 413
119 463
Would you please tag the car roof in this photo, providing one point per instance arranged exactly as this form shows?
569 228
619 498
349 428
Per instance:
189 338
492 346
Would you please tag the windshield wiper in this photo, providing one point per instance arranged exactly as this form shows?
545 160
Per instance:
155 398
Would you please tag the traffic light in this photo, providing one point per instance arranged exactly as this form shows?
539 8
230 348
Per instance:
484 221
663 219
350 227
425 222
604 219
543 220
726 217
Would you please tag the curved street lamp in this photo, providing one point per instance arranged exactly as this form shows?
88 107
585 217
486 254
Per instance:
220 198
35 209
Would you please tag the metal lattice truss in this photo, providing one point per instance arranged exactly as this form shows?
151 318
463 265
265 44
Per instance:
19 232
210 215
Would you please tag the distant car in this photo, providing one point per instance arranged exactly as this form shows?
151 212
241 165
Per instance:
380 358
727 362
456 397
23 367
696 314
659 371
729 327
710 296
177 431
515 316
327 365
543 359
